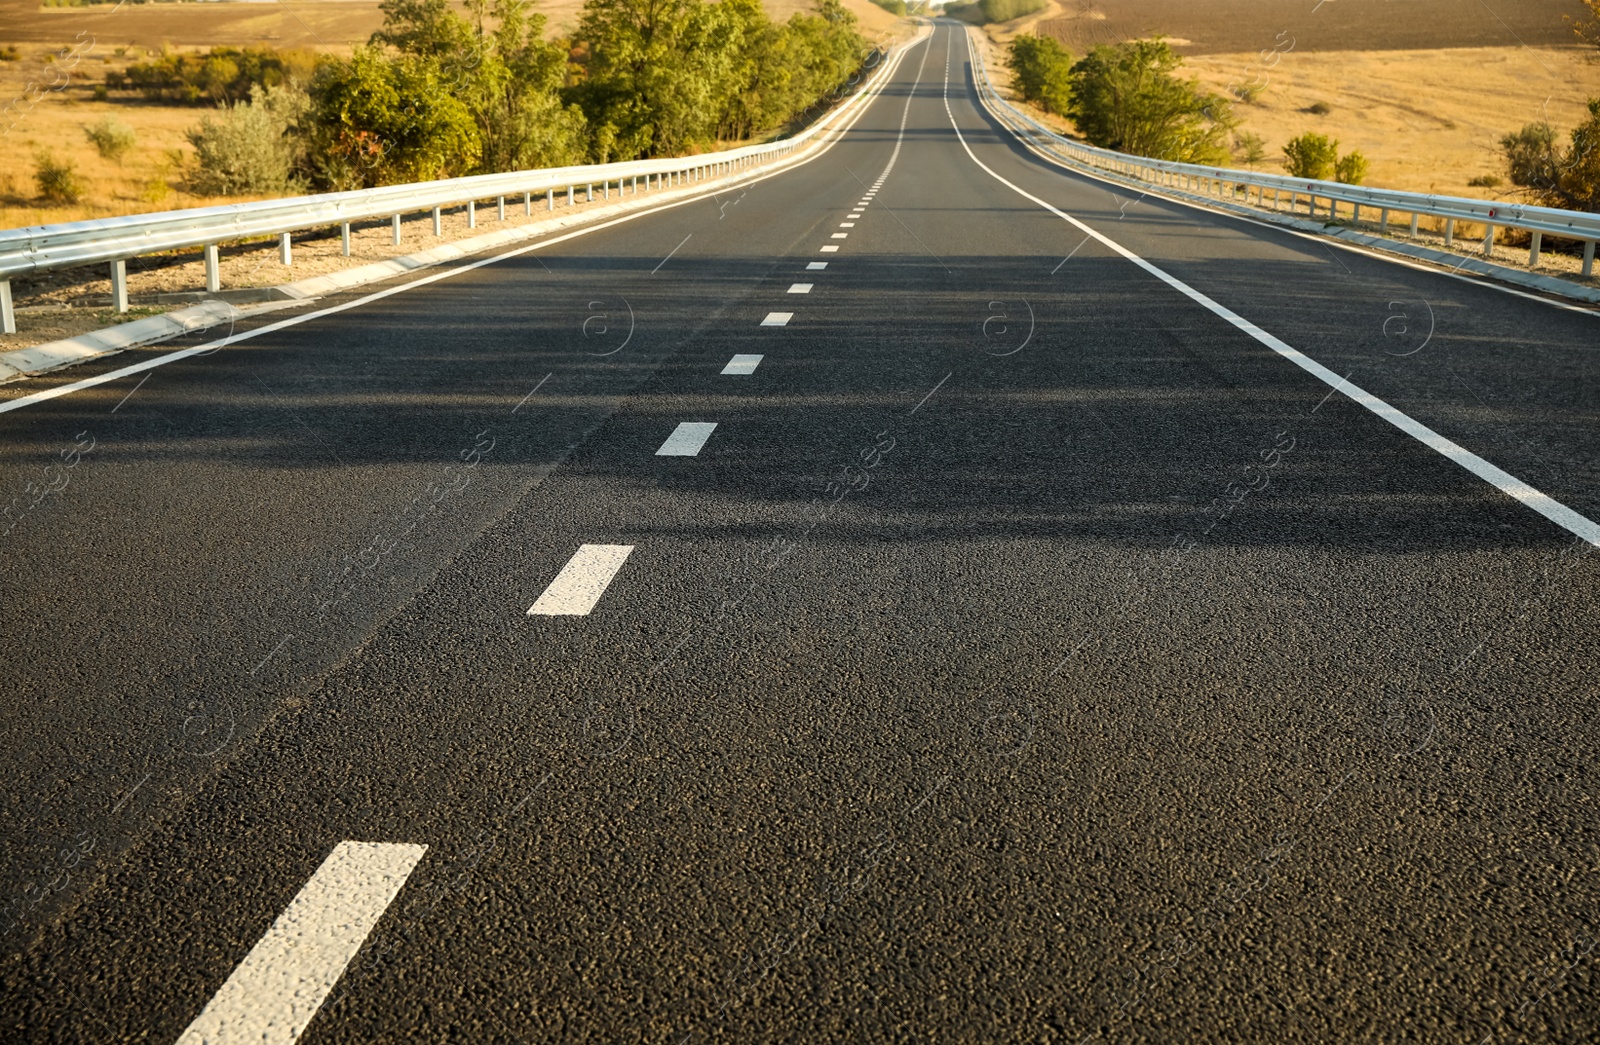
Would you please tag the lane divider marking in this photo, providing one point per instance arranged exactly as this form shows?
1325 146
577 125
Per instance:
841 235
283 981
831 249
581 582
1573 522
742 364
687 439
816 266
777 319
847 224
800 288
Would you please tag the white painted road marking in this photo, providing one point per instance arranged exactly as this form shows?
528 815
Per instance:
800 288
687 439
817 266
777 319
847 224
841 235
581 581
283 981
1574 523
742 364
831 249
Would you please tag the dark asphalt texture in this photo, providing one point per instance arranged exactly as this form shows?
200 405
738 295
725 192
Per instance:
954 692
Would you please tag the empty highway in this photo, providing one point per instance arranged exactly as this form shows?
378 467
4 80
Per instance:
920 595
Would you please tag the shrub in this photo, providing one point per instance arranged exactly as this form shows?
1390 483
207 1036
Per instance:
1042 72
894 7
1249 149
223 74
1486 181
248 147
111 137
9 53
1311 156
1320 109
1351 168
1249 93
983 12
1126 97
58 180
100 92
1553 175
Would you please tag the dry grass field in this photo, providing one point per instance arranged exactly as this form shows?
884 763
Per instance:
1425 89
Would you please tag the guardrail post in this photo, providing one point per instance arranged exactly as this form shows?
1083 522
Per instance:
636 185
550 198
213 266
119 285
285 253
1533 251
569 197
500 208
1488 241
589 193
438 225
1588 258
1414 217
605 188
527 204
8 315
1355 213
344 238
1449 231
472 214
396 230
1383 221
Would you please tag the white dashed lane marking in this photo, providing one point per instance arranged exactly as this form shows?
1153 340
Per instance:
841 235
283 981
742 364
816 266
581 581
777 319
831 249
800 288
687 439
847 224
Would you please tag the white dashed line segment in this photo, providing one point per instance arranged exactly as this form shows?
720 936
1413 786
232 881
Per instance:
283 981
816 266
742 364
581 581
777 319
800 288
687 439
831 249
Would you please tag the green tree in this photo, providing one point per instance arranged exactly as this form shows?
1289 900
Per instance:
250 147
1128 97
1042 72
1311 156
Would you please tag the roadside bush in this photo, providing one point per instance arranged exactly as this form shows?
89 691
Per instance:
1127 97
1042 72
1351 168
249 147
111 137
1320 109
1311 156
58 180
1249 149
1553 175
894 7
223 74
9 53
1249 93
1486 181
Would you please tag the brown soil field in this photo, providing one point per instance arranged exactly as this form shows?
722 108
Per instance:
1239 26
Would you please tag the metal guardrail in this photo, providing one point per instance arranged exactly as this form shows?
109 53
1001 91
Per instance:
1229 184
114 240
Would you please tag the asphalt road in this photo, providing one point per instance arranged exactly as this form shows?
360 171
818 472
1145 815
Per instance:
1028 654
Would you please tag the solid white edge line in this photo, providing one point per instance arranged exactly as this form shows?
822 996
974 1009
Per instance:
586 576
1574 523
232 339
687 439
275 991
